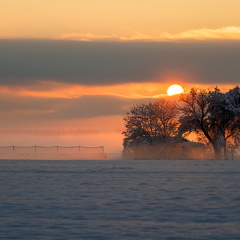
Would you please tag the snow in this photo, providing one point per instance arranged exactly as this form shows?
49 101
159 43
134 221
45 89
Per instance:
119 199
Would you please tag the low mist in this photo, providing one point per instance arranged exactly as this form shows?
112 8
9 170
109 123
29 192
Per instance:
67 141
165 151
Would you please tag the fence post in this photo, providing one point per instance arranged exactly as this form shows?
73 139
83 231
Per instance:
79 152
35 151
57 152
13 151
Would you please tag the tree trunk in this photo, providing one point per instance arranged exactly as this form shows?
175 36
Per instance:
225 151
217 151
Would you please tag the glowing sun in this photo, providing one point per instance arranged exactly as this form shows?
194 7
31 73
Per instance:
174 89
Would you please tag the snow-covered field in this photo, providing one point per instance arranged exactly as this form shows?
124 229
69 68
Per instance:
119 200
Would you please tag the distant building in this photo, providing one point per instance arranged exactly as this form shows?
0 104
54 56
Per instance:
177 148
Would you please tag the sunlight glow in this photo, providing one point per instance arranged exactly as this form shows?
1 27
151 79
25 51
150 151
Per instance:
174 89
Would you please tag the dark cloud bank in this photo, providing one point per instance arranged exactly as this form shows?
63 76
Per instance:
103 63
59 108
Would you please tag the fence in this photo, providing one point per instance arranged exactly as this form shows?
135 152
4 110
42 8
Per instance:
52 152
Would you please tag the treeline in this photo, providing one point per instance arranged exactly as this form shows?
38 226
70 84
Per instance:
159 130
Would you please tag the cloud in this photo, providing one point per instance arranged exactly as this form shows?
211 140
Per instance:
224 33
27 62
10 104
38 109
89 37
51 90
230 33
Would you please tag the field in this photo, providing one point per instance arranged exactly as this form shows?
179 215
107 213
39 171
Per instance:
118 199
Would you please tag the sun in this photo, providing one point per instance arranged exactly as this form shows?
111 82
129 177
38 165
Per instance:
174 89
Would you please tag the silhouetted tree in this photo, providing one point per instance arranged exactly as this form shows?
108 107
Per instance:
214 114
228 117
147 124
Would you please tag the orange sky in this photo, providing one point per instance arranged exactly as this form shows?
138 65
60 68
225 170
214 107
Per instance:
80 65
129 90
37 126
107 19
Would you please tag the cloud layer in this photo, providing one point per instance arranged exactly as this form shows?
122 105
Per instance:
107 63
224 33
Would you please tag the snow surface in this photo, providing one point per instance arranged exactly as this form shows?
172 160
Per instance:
119 199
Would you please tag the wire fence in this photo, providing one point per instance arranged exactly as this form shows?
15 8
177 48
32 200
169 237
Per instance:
52 152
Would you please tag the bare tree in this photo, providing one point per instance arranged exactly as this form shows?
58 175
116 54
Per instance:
212 114
230 120
146 124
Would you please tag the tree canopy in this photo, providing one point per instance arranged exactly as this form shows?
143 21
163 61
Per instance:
213 115
148 122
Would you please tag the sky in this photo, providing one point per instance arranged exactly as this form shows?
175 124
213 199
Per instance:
71 69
